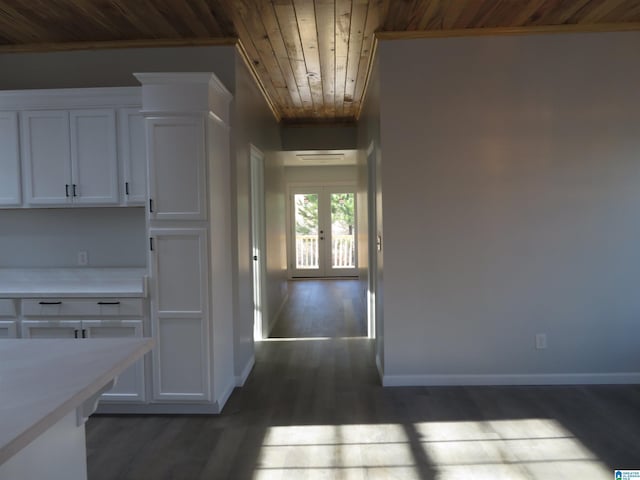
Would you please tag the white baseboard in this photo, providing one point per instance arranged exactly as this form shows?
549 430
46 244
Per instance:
276 317
240 379
157 409
508 379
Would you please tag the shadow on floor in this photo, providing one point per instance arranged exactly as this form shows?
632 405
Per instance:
315 409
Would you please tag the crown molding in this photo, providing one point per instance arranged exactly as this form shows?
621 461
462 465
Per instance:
500 31
117 44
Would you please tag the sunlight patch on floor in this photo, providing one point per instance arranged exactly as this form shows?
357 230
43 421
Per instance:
502 449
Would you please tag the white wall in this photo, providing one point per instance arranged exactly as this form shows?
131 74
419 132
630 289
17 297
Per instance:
321 174
110 68
32 238
511 197
341 136
276 238
254 124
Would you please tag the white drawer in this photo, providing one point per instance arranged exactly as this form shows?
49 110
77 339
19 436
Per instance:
7 307
58 307
8 329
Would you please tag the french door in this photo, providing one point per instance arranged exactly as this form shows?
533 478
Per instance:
323 231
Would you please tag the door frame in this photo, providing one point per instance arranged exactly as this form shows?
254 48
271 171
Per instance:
291 187
372 241
258 244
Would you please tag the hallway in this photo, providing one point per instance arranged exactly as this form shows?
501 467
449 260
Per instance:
322 308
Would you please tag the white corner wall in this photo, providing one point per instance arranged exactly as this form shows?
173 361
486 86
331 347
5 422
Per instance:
511 184
370 260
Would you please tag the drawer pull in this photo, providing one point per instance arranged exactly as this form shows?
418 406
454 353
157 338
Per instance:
108 303
50 303
75 333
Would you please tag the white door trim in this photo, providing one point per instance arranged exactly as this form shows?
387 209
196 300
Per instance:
258 244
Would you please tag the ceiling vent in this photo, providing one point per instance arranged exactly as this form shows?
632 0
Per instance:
321 157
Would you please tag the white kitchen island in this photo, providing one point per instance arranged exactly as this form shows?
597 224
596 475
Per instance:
47 390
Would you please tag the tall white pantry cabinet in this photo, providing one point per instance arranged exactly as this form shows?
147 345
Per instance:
187 132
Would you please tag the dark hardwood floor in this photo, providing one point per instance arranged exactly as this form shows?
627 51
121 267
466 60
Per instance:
322 308
314 408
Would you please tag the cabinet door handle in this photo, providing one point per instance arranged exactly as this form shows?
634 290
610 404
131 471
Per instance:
151 205
66 189
84 333
74 190
50 303
126 188
75 333
108 303
151 243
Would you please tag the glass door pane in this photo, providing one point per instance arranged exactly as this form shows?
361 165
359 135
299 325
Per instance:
306 231
343 251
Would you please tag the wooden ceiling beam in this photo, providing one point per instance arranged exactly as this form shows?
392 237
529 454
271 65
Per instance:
282 55
325 24
306 20
286 15
366 54
343 28
356 38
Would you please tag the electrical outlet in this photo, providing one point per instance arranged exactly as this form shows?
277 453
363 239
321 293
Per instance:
541 341
83 258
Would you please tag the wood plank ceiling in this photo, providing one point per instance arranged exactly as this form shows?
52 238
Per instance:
311 56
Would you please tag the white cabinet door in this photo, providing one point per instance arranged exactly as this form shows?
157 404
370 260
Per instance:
8 329
130 384
94 159
179 273
51 329
176 167
45 147
133 151
10 192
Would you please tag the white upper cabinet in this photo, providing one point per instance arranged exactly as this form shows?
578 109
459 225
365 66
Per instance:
133 152
176 167
10 192
46 157
94 161
70 157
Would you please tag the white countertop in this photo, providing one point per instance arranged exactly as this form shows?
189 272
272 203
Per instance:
72 282
41 381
